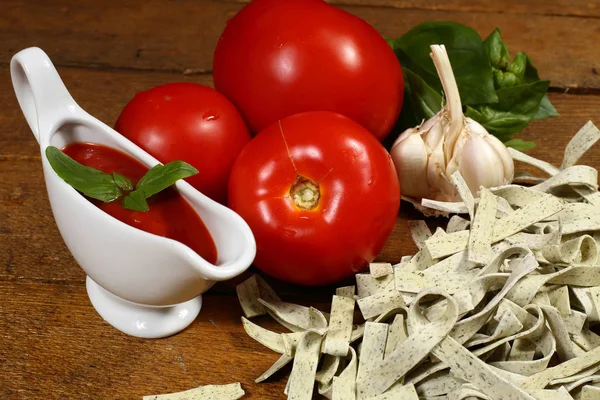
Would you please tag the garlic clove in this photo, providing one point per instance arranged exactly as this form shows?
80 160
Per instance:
480 164
434 131
410 157
507 160
453 163
430 123
441 187
475 127
406 134
505 157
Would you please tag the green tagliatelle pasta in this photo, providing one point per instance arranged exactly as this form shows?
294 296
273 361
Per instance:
502 305
231 391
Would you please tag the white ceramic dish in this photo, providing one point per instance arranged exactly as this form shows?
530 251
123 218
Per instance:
142 284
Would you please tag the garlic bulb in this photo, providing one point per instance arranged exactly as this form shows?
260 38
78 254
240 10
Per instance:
426 156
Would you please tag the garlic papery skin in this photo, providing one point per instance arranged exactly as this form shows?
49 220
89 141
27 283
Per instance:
412 155
426 156
412 152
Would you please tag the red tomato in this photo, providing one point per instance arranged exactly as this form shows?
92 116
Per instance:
320 194
189 122
281 57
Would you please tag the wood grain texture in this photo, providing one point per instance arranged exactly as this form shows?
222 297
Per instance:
585 9
54 345
136 34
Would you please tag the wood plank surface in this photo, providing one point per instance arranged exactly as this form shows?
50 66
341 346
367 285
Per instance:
72 353
125 35
53 345
584 9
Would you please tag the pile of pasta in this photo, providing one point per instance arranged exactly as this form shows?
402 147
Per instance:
502 304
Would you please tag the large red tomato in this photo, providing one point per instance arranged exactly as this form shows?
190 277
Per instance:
281 57
189 122
320 194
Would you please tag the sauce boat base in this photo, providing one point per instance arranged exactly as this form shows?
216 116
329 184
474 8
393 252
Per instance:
142 321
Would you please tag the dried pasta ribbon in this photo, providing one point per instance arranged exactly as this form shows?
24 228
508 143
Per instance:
264 336
340 326
480 238
420 233
232 391
302 377
379 270
344 385
583 140
250 291
578 175
464 192
379 303
277 366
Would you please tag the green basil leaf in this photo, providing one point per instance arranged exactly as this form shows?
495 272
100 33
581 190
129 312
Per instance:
514 75
497 50
519 71
531 73
421 102
89 181
505 79
517 106
136 201
157 179
160 177
124 183
546 109
520 144
466 52
506 73
519 65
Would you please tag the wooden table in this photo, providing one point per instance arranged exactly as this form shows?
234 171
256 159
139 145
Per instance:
52 342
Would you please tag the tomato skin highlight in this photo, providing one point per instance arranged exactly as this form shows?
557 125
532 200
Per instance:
356 212
277 58
189 122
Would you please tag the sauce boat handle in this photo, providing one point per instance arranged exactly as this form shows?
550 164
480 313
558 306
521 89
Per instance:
41 93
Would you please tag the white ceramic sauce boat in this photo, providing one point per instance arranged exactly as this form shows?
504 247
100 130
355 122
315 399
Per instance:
142 284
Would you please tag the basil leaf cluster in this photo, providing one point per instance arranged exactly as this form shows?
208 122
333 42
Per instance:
107 188
501 94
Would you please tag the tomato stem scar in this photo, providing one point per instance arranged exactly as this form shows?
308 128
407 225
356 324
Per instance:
305 193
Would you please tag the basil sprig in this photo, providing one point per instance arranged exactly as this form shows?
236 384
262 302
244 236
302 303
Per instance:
503 95
105 187
157 179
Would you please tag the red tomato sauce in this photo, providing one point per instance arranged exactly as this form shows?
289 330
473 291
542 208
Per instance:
170 215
